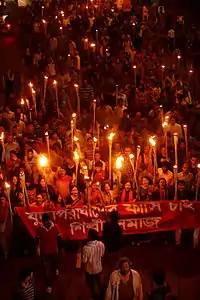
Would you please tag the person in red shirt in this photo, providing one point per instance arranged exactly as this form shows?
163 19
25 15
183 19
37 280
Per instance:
47 238
4 212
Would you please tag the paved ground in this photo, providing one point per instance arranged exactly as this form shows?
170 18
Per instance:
182 266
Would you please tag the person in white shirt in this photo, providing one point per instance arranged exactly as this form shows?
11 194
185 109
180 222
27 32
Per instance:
124 283
174 127
165 173
93 252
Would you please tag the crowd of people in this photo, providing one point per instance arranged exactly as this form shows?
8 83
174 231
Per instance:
104 110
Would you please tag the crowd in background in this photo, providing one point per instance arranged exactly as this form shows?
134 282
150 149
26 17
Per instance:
90 70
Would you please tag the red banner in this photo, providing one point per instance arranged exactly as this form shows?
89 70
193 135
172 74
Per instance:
134 218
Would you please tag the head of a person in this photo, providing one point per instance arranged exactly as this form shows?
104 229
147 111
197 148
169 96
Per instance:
74 191
162 183
146 149
61 173
85 82
181 185
117 147
15 180
138 115
127 186
172 121
39 200
30 154
42 183
114 216
92 235
127 151
193 160
94 185
106 187
46 220
185 168
13 155
9 138
145 181
165 166
163 151
26 275
97 156
158 277
98 166
124 266
90 141
2 199
182 145
125 113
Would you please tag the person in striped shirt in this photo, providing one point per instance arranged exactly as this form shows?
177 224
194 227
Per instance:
93 253
26 287
86 94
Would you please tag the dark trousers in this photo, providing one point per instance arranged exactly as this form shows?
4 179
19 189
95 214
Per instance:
50 264
94 284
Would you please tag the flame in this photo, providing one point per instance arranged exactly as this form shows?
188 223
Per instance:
2 136
76 155
75 139
93 45
131 156
54 82
94 139
164 125
74 115
46 133
7 185
22 101
76 85
119 161
43 161
152 141
111 135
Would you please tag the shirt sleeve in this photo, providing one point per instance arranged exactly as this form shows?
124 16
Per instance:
85 256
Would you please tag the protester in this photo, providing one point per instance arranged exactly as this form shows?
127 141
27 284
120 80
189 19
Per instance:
47 237
93 253
26 288
124 283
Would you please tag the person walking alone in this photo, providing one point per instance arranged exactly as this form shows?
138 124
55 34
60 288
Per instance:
93 253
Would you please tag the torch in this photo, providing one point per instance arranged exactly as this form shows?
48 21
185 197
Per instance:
7 186
94 113
175 167
136 165
72 134
56 91
110 138
135 75
198 182
3 146
47 141
119 161
45 88
132 161
186 140
78 99
76 159
175 148
165 137
43 162
153 145
116 93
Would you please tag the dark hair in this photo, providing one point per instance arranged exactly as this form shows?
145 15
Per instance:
181 182
158 276
25 273
165 164
124 260
114 216
45 217
92 234
30 150
99 164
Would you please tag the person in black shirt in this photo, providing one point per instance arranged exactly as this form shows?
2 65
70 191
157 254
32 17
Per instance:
26 287
162 288
112 232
